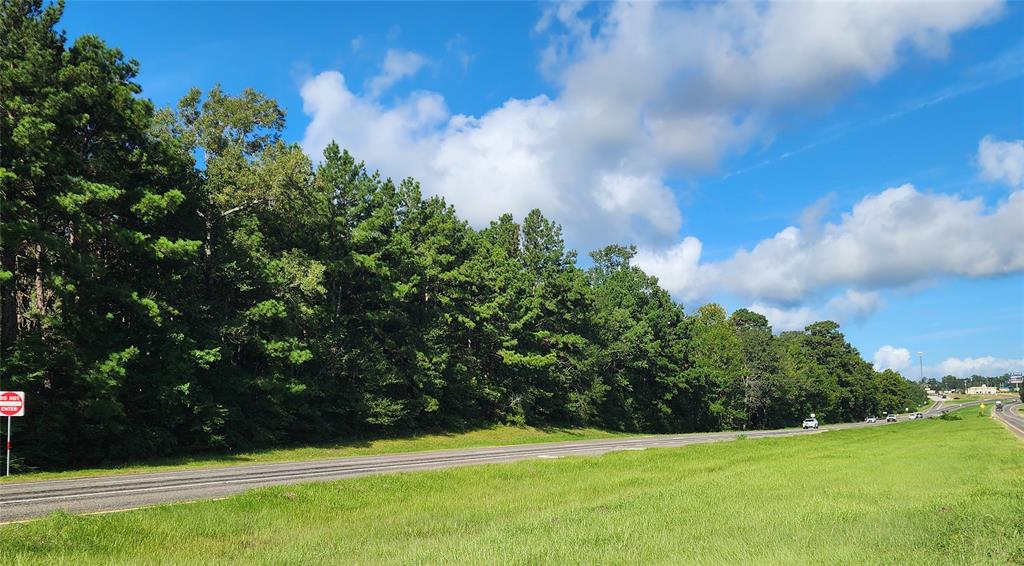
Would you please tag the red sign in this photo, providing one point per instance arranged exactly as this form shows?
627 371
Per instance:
12 403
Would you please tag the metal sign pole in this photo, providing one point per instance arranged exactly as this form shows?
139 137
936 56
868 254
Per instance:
8 445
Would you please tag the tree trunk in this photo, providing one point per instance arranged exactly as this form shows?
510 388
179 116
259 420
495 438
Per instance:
39 293
8 299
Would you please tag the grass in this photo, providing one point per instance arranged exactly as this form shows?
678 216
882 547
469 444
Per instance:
494 436
930 491
968 398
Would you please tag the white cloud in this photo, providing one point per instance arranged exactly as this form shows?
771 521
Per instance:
986 365
900 359
390 137
503 161
850 306
397 65
704 80
888 357
677 268
782 319
1002 161
891 239
458 46
853 306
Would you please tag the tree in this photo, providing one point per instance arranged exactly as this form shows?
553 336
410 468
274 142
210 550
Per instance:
640 347
717 369
97 246
761 383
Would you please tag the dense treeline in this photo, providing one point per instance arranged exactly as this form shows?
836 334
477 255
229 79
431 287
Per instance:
953 383
183 280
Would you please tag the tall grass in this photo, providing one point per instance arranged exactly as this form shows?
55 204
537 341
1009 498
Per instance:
932 491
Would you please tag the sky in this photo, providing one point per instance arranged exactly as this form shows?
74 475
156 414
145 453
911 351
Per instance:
856 162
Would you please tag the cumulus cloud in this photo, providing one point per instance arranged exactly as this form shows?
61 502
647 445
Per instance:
782 319
846 307
677 268
398 65
887 240
900 359
503 161
888 357
704 80
1002 161
985 365
388 137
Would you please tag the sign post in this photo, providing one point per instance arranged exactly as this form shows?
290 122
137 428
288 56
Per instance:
12 404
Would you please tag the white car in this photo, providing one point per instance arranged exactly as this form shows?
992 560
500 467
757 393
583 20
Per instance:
871 420
890 418
810 423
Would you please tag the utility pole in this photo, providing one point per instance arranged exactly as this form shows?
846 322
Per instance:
920 359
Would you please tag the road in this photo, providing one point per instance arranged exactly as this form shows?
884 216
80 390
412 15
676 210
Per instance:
20 501
1013 418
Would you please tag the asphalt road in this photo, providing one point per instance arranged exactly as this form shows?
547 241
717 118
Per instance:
1012 417
20 501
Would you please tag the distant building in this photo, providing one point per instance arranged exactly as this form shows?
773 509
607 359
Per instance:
982 390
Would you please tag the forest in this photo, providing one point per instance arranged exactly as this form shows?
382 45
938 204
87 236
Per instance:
183 280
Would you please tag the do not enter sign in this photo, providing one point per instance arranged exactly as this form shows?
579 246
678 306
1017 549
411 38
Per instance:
12 403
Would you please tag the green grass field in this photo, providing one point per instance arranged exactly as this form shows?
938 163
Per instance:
494 436
933 491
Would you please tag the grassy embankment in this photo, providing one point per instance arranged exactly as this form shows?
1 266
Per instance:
968 398
495 436
931 491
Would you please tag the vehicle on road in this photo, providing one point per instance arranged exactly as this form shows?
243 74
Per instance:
918 415
871 420
810 423
999 405
890 418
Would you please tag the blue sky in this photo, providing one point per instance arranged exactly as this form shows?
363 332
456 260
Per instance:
749 151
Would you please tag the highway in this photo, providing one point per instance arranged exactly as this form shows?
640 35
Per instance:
1013 418
21 501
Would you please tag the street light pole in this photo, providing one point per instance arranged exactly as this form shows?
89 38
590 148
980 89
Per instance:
920 359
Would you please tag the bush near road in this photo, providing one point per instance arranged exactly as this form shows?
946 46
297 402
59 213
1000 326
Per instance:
929 491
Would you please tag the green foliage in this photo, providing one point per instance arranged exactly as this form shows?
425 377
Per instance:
183 280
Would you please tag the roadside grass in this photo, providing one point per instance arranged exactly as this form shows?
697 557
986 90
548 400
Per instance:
968 398
494 436
929 491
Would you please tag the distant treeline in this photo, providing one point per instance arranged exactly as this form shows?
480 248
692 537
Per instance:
953 383
182 280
